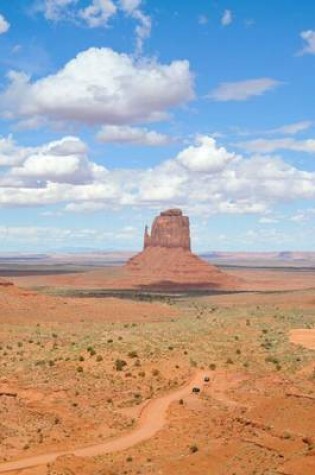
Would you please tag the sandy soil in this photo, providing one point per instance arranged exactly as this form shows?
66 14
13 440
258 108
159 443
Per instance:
119 278
20 306
101 383
151 420
303 337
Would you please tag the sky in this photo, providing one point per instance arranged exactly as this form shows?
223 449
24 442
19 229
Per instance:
113 110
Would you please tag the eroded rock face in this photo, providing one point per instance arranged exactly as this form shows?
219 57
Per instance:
167 260
169 230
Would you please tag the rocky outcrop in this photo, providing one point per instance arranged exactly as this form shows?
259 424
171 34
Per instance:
169 230
167 261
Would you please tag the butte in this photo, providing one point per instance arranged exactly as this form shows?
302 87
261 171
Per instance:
168 262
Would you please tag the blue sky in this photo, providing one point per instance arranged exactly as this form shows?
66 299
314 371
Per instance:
112 110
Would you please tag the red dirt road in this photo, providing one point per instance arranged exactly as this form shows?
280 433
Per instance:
152 419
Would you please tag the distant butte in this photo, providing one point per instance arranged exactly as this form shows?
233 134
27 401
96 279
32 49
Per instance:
167 260
5 283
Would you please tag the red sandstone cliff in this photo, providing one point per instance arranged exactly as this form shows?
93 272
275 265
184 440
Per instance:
169 230
167 260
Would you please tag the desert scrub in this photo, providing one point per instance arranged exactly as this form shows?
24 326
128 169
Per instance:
120 364
193 448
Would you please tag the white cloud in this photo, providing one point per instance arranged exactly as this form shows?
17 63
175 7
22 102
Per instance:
270 146
100 86
10 153
57 10
62 161
303 216
48 167
227 18
130 6
132 136
56 235
287 129
243 90
205 156
204 178
292 129
143 29
4 25
98 13
309 38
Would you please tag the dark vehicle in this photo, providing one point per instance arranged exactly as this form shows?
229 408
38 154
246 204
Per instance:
206 379
196 390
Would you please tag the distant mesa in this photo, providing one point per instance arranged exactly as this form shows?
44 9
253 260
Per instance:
167 260
5 283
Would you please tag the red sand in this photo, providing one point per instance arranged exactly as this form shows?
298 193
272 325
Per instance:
303 337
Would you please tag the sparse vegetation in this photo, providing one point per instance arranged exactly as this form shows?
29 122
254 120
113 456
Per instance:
120 364
109 368
193 448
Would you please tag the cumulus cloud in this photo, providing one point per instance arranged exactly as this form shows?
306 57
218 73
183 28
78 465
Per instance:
270 146
62 161
205 156
203 177
309 39
132 136
4 25
100 86
10 153
243 90
227 18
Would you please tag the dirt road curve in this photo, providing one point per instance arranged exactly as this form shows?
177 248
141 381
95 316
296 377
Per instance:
152 419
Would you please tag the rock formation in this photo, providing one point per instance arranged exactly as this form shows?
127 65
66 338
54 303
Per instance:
169 230
167 261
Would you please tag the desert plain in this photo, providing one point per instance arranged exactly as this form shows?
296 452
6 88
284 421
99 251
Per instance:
98 381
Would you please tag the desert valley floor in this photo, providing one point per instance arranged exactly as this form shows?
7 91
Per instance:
98 383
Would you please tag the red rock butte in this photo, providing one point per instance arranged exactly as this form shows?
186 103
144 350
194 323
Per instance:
167 260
